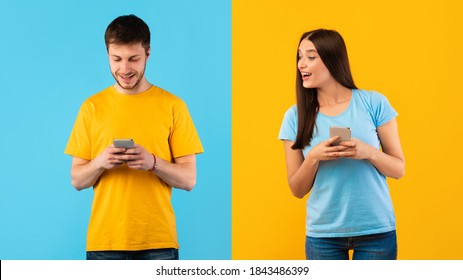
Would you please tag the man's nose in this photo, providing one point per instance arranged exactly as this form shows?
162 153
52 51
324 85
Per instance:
125 67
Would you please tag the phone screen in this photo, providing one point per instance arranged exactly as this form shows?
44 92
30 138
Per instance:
341 131
124 143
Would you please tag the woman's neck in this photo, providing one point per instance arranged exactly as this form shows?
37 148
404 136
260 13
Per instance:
333 95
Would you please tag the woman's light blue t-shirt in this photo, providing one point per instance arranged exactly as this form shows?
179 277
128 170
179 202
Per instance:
349 197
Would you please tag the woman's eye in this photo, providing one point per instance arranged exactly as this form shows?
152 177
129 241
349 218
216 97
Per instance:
312 57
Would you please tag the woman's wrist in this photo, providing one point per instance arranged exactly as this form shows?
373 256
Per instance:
373 154
310 158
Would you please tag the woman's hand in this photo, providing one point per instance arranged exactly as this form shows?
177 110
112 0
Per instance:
325 151
355 149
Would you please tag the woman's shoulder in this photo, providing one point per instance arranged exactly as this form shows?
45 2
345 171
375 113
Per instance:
291 111
290 115
370 97
293 108
368 94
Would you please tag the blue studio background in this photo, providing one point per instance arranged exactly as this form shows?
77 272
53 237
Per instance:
53 58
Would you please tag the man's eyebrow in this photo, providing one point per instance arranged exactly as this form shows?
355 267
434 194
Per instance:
133 56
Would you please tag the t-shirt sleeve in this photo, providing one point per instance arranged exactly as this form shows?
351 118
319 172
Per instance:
382 110
184 139
79 144
288 129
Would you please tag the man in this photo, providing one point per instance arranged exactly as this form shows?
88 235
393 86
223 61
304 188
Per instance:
132 217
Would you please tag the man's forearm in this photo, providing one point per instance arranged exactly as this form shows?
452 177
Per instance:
181 174
85 175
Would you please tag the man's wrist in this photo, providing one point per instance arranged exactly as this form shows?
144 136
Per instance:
153 167
96 165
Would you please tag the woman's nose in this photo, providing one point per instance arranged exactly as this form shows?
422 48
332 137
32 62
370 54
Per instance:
301 64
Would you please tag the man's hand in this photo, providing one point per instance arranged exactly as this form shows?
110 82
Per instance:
108 159
136 158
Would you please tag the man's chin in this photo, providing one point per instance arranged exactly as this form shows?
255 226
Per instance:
128 86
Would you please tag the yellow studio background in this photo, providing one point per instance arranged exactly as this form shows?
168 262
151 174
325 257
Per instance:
410 52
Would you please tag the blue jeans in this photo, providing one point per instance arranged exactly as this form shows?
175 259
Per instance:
154 254
382 246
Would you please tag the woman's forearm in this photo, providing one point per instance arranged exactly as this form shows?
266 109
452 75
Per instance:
301 181
388 165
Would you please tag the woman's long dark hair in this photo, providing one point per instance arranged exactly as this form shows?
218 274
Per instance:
332 51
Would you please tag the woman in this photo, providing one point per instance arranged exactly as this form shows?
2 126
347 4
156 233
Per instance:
349 207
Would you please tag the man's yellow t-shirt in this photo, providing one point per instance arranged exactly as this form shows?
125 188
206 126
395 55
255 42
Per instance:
132 208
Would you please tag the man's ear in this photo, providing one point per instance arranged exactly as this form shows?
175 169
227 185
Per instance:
148 52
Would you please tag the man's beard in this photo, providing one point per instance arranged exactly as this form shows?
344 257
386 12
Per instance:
130 87
115 75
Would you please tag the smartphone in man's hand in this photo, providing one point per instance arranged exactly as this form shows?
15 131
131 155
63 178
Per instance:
124 143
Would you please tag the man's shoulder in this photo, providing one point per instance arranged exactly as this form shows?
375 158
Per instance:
168 99
164 94
98 96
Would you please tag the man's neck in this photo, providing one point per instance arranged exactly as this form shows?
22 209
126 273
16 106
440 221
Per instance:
143 86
